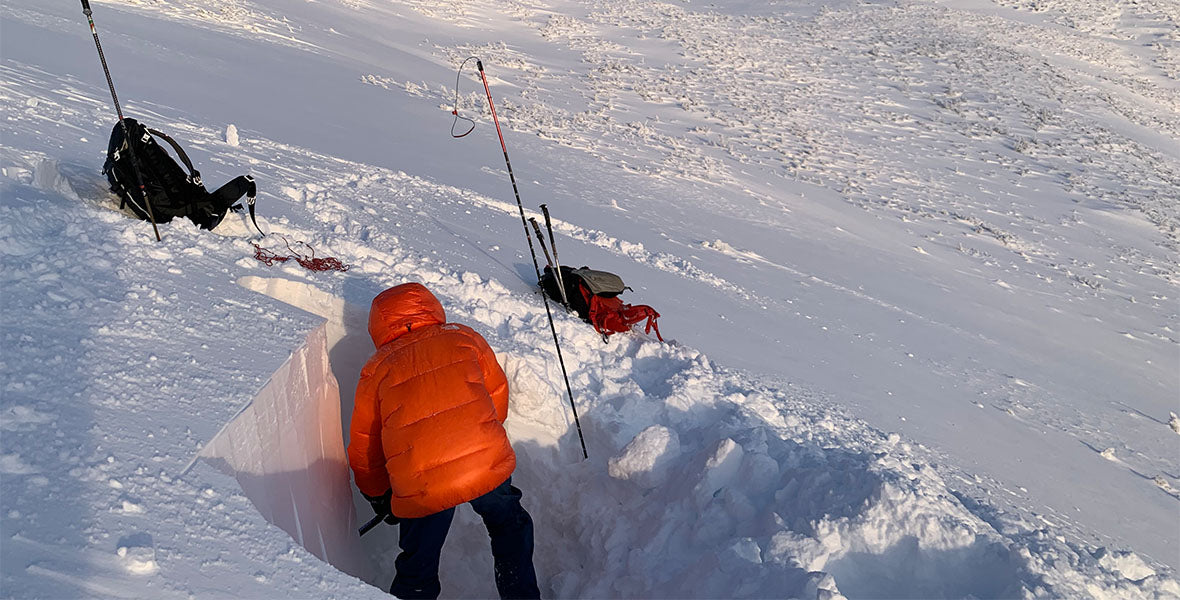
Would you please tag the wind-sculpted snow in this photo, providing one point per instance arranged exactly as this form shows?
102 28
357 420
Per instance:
916 263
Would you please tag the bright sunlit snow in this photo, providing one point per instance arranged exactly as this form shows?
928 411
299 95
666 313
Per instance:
918 265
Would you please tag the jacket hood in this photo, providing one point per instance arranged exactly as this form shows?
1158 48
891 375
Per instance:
400 309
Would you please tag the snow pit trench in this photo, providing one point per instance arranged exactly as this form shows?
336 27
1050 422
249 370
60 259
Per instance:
286 449
692 516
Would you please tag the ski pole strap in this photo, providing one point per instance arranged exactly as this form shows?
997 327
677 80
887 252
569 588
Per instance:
193 173
455 111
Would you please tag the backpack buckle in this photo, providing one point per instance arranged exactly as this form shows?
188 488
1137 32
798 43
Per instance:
116 155
197 180
146 138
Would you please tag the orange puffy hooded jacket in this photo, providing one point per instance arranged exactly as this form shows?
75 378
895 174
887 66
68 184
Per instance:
429 409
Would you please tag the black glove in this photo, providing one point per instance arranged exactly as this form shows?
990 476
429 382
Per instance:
380 506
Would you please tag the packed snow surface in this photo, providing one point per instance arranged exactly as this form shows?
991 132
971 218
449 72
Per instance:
918 263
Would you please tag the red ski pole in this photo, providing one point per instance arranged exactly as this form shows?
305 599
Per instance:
536 267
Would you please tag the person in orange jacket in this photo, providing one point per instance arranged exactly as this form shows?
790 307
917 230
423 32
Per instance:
427 435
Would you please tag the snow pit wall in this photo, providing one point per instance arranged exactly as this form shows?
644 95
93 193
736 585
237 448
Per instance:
286 450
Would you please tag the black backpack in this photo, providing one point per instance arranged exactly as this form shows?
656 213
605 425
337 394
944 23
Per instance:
601 283
172 192
594 295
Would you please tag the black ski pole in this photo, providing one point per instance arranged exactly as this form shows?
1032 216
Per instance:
552 268
544 298
551 263
556 264
541 241
119 111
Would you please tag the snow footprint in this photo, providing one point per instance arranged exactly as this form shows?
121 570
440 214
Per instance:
137 552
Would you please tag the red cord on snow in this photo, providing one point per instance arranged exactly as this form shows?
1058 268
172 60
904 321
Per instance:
308 261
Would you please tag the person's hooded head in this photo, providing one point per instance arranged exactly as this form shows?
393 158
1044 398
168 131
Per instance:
401 309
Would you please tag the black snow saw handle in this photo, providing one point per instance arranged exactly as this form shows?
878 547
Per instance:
375 521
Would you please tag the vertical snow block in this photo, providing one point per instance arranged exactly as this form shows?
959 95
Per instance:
286 449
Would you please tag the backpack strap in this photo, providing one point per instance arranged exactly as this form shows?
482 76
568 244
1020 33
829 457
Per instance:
227 195
610 315
251 192
651 325
246 181
194 175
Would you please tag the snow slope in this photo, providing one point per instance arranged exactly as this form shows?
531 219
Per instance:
919 260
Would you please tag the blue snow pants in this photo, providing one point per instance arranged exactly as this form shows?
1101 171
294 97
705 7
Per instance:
509 526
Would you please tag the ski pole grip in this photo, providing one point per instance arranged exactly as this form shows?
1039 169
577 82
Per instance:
478 62
86 6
